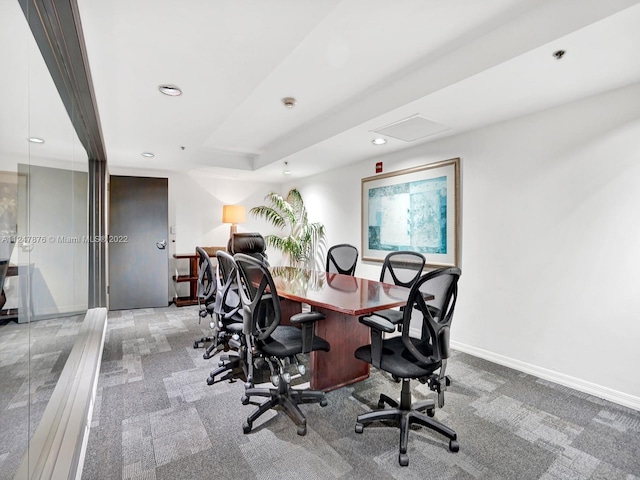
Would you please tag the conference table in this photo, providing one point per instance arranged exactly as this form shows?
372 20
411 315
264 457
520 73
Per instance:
342 299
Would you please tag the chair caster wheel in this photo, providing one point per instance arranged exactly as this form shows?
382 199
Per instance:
221 363
195 345
323 402
246 427
403 459
245 400
206 356
431 412
248 385
454 446
380 404
359 428
302 430
211 381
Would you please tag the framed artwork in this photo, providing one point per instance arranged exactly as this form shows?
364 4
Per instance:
415 209
8 203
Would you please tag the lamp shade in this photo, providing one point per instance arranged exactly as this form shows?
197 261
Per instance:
233 214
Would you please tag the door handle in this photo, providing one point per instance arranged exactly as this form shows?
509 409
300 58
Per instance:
161 245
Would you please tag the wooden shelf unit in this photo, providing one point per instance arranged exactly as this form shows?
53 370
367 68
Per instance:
192 278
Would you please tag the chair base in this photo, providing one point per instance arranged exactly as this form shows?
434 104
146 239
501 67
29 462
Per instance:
286 397
228 363
213 349
407 414
221 341
201 342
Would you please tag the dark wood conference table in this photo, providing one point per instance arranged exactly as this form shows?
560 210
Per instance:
342 298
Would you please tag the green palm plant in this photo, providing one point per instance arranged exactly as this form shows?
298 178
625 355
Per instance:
302 240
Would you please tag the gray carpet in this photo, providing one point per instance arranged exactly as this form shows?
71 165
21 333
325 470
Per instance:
32 357
156 418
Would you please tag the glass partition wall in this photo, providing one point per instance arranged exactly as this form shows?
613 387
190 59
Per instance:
43 236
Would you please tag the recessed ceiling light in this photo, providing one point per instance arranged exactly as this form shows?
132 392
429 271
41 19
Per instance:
289 102
170 90
36 140
148 154
378 141
287 170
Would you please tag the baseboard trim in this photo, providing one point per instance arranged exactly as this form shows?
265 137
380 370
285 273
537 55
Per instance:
590 388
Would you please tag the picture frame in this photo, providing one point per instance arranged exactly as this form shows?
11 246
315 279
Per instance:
416 209
8 203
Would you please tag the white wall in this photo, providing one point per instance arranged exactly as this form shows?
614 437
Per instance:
550 242
57 258
196 208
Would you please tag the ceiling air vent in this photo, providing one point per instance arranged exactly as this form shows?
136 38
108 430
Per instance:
412 128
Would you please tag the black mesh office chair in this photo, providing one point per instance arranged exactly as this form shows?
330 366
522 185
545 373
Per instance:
274 344
206 294
5 257
228 320
342 258
400 268
227 304
4 266
415 356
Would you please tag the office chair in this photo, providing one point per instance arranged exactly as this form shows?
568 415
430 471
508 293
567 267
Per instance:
4 266
206 293
227 304
412 357
228 320
342 258
249 243
274 345
400 268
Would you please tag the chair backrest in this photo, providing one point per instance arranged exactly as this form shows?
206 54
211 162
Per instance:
249 243
402 268
261 311
206 278
437 314
227 299
342 259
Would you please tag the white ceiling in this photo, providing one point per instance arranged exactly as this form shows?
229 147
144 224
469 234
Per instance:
354 66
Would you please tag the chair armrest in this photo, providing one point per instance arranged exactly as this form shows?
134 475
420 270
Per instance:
393 316
378 323
306 317
307 320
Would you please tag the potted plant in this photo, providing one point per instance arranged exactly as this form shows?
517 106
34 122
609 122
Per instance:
301 239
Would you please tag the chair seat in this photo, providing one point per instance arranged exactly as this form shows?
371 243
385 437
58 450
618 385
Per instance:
286 341
398 361
235 327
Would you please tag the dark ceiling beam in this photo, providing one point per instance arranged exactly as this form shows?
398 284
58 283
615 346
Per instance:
56 27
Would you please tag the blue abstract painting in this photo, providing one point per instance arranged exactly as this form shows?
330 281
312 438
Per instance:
409 216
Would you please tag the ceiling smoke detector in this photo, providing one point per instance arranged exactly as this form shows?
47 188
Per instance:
558 54
289 102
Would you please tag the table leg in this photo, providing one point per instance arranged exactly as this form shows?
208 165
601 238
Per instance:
338 367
